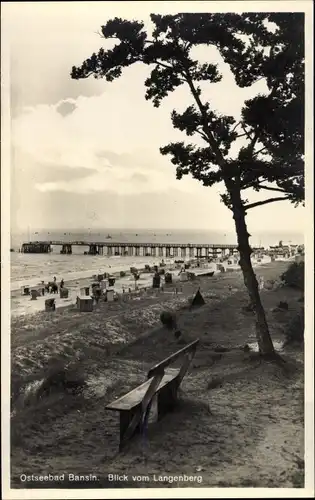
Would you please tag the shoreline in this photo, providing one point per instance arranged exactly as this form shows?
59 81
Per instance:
86 274
117 266
22 305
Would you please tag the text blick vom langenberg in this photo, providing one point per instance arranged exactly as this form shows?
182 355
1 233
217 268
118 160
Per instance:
77 478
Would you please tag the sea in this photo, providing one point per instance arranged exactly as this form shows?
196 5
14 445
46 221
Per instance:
32 268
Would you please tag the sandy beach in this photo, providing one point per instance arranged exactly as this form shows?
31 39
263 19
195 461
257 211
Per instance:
21 304
75 281
115 345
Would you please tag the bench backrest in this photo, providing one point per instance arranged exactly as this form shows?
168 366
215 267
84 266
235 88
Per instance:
190 348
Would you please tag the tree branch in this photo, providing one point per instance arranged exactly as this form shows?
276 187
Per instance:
213 143
271 188
259 151
221 162
235 127
246 133
117 38
253 144
241 135
154 61
260 78
202 134
248 185
265 202
188 46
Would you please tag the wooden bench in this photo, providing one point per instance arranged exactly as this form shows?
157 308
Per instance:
163 382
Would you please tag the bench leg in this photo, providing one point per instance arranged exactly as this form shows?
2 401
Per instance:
125 420
167 398
135 420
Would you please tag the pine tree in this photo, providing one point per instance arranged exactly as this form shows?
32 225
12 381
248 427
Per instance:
271 125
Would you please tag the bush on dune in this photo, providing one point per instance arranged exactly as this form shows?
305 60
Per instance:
168 319
294 275
295 330
61 379
16 386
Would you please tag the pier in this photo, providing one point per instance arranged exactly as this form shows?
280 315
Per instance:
108 249
36 247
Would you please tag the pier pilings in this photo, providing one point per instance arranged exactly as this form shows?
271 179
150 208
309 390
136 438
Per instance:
160 250
66 249
36 247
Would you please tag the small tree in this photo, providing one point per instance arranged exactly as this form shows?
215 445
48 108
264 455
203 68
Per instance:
271 126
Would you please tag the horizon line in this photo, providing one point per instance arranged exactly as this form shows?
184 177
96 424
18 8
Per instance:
230 231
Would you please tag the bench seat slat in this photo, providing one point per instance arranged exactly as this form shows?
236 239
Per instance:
135 397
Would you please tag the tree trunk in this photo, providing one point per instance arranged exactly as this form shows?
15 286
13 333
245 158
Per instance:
262 331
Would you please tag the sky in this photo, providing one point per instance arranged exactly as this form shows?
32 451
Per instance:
86 153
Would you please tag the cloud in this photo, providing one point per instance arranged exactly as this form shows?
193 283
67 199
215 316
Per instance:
124 159
102 134
89 149
66 107
107 208
167 209
45 42
27 170
116 180
137 177
51 173
116 159
117 135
